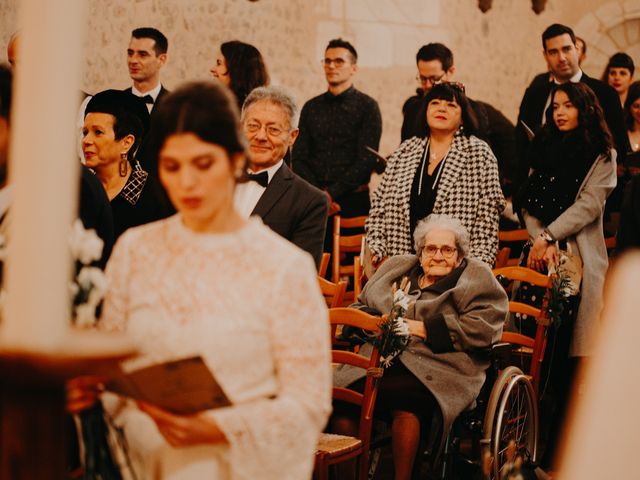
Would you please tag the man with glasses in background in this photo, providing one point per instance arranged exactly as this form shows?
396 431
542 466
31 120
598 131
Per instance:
435 65
336 128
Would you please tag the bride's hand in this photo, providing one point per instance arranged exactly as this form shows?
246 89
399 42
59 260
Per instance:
184 430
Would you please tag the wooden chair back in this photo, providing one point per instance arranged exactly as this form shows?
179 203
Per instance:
538 344
507 241
324 264
334 449
343 244
333 292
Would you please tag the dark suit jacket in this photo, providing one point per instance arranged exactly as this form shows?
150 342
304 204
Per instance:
163 92
532 109
295 210
149 164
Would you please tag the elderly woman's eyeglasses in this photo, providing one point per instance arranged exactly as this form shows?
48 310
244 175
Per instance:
445 250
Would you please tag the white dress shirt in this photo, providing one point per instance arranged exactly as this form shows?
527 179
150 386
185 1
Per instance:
248 194
154 92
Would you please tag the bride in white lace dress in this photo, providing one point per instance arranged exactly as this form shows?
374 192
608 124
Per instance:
207 282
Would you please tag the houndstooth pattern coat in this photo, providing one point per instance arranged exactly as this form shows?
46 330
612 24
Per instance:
469 190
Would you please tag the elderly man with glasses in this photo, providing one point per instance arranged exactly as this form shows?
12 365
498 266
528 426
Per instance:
286 203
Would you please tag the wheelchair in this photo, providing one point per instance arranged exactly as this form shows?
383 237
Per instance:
499 434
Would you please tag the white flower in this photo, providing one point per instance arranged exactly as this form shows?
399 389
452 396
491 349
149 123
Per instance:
386 361
94 281
401 327
86 246
85 315
401 299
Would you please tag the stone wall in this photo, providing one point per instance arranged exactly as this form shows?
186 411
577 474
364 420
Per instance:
496 53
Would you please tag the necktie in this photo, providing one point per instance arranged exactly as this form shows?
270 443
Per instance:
262 178
148 99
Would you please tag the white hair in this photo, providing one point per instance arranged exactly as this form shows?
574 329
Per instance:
276 95
437 221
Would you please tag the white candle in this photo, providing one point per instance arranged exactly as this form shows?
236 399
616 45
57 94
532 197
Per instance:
43 174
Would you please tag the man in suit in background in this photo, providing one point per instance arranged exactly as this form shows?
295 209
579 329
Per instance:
146 55
562 57
287 204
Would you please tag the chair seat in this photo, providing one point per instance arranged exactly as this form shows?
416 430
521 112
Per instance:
331 444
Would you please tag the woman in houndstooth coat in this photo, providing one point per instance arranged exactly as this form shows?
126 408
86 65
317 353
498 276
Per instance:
449 172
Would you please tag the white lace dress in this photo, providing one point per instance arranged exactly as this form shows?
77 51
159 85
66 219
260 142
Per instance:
247 302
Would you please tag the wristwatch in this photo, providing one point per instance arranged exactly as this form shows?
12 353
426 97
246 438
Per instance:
546 236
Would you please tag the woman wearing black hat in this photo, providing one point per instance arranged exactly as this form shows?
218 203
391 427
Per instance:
114 125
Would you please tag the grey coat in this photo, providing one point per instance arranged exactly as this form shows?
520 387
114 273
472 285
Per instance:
462 312
581 226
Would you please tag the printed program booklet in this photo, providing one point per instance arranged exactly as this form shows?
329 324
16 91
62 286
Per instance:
184 386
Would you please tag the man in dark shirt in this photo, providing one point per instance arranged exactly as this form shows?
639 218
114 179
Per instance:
435 65
335 130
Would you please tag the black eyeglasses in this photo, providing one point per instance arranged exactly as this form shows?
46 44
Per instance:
445 250
433 79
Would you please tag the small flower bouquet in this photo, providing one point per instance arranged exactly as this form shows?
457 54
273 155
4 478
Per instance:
394 331
90 284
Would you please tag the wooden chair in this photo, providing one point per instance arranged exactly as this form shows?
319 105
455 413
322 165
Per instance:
343 244
534 346
324 264
333 292
507 239
332 448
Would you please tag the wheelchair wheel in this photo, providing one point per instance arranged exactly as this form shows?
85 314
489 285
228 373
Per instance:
511 423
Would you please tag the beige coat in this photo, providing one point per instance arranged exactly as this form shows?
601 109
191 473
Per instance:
581 226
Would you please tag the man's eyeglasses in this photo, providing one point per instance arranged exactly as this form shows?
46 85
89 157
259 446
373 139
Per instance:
433 79
445 250
255 127
338 62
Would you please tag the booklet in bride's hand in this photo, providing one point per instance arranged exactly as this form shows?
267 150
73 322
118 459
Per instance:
182 386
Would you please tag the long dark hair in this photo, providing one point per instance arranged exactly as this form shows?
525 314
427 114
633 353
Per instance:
632 95
592 129
246 68
449 91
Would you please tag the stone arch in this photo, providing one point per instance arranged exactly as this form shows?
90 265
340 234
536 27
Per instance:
613 27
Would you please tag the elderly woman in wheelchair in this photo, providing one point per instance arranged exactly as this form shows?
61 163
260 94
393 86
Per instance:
458 312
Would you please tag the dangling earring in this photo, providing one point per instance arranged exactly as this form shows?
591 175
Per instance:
122 166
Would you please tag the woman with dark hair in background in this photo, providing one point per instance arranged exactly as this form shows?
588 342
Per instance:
562 202
450 171
240 67
114 124
619 74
